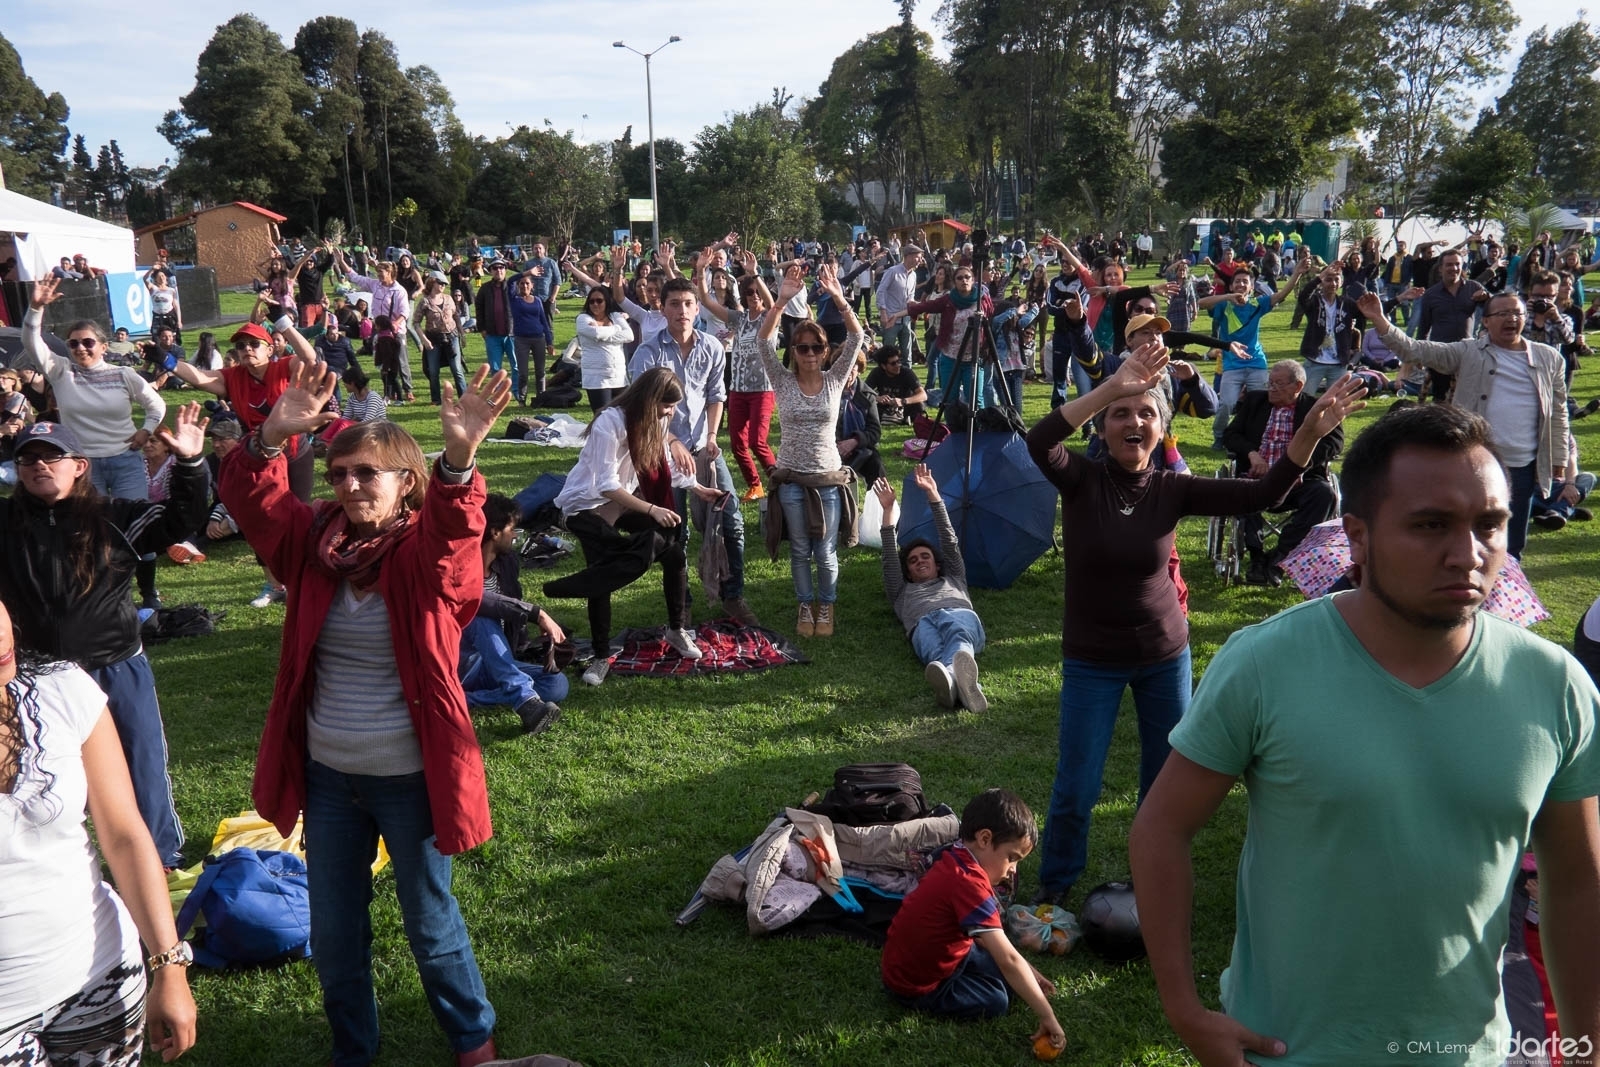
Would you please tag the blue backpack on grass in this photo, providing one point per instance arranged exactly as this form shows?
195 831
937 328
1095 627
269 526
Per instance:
257 907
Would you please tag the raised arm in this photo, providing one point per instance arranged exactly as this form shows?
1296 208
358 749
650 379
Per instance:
44 292
1288 286
698 273
893 579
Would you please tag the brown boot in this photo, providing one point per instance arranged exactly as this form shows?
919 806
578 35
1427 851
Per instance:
806 626
825 620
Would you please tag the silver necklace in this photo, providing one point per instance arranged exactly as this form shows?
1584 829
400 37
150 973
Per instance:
1127 505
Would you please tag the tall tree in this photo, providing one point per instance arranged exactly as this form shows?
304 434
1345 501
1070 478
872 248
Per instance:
245 129
1478 179
80 179
1554 101
1096 167
674 188
1435 53
327 49
33 129
754 172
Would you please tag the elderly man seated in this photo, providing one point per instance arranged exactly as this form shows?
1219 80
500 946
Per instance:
928 588
1257 435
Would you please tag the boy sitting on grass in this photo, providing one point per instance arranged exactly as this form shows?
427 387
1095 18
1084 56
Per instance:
947 953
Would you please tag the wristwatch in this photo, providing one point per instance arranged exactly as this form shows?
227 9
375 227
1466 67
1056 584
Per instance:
181 954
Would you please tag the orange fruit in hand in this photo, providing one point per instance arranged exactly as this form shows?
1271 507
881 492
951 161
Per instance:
1044 1050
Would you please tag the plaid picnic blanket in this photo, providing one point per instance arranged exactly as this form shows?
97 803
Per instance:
727 647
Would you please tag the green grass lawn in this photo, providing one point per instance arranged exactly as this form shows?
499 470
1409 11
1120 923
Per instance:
605 825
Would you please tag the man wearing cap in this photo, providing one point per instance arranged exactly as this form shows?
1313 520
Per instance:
1189 392
1257 436
493 309
895 290
1334 326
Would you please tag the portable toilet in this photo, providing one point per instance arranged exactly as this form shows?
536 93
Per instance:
1323 237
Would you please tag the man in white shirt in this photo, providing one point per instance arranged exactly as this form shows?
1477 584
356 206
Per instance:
895 290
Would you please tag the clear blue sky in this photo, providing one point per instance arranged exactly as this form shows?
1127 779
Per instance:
516 63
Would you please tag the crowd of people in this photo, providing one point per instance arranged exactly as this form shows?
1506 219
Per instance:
404 608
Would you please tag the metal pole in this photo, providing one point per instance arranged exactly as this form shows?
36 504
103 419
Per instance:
655 202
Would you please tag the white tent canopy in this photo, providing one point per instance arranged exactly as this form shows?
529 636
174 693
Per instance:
43 234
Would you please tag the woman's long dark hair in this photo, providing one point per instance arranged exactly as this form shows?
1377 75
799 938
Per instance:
640 404
82 514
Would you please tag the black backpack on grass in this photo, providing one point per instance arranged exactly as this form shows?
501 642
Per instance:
871 794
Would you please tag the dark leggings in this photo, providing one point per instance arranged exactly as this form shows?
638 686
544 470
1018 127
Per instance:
616 560
599 398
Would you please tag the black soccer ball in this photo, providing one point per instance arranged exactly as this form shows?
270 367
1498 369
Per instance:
1110 921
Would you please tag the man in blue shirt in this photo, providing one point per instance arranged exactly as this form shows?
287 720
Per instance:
546 274
698 359
1236 316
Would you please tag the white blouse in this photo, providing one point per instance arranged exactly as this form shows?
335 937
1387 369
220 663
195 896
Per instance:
605 465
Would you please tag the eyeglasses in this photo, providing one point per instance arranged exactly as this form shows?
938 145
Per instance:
252 342
82 342
1517 314
362 473
808 350
34 459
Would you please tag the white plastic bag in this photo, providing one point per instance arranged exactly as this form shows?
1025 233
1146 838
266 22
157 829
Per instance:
870 520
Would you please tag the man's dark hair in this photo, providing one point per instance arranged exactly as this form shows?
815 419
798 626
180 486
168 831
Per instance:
499 510
886 353
676 285
1364 479
1002 813
920 542
1543 277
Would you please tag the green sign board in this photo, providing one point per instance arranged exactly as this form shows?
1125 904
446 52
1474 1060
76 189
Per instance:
931 203
641 211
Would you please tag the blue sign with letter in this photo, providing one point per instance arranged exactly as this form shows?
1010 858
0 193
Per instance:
130 302
621 237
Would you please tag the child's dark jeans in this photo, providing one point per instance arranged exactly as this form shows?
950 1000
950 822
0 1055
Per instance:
976 991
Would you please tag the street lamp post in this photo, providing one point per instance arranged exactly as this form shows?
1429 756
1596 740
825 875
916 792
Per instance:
650 114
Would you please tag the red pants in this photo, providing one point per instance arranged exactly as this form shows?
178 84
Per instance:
749 420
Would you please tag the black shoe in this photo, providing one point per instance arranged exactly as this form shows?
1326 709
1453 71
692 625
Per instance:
537 715
153 602
1550 520
1257 574
1054 897
1582 514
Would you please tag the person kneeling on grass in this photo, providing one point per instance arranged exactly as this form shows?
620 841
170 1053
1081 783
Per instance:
928 590
491 675
947 953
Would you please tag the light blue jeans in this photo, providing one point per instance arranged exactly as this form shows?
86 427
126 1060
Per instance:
803 549
122 475
491 675
1321 375
1235 383
499 350
940 634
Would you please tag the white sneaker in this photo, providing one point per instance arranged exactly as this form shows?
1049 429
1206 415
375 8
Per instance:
268 597
683 642
967 687
597 672
938 676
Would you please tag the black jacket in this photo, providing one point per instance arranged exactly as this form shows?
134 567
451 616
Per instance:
1249 422
53 612
1348 326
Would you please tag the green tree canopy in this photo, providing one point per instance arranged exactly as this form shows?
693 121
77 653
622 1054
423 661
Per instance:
33 129
1554 102
754 173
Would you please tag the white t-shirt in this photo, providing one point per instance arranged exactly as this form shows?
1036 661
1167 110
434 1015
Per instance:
1513 408
60 923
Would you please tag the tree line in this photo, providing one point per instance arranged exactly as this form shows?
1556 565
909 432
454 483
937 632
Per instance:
1099 114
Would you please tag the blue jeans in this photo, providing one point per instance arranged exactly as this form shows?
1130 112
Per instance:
1321 375
1013 381
899 335
958 386
122 475
499 350
1061 366
715 471
130 688
802 549
1524 487
940 634
1090 696
344 815
1541 504
1235 383
977 990
491 675
446 351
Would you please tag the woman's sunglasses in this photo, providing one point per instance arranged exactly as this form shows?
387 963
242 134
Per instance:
362 473
808 350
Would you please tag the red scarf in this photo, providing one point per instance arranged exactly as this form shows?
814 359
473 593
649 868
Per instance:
358 560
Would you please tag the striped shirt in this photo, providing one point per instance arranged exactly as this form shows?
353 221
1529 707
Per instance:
359 721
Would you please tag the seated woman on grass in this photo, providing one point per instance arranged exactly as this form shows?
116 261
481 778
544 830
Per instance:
928 590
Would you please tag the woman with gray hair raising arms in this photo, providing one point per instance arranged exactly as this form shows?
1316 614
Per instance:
1122 625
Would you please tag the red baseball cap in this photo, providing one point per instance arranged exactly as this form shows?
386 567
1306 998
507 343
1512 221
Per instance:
252 330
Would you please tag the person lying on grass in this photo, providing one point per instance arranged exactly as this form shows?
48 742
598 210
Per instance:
928 591
947 953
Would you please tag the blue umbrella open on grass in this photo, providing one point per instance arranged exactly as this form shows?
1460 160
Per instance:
1004 513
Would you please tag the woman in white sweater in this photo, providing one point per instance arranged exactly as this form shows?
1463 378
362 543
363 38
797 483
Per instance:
602 331
96 399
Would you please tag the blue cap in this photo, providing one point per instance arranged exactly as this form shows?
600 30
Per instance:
53 434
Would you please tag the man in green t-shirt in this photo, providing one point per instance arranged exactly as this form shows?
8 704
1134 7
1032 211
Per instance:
1399 750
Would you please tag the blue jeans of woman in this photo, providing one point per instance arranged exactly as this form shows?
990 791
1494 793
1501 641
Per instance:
1091 694
446 351
940 634
1013 380
491 675
122 475
344 816
961 382
803 548
130 689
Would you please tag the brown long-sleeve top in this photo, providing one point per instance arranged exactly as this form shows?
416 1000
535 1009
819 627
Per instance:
1121 608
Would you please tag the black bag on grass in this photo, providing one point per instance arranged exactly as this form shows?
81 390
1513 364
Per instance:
870 794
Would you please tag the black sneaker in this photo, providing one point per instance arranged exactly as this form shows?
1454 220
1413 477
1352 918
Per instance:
1053 897
1582 514
152 602
1257 574
537 715
1550 520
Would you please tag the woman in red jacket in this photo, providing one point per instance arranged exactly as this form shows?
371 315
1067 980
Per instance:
368 732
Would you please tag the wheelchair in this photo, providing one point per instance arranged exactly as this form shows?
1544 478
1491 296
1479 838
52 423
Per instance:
1225 534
